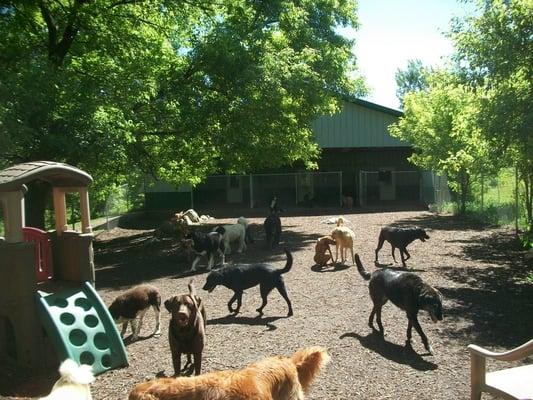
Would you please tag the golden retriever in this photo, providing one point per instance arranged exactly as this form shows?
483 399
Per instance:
273 378
344 238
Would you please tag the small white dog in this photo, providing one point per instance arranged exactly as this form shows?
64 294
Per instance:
73 383
234 233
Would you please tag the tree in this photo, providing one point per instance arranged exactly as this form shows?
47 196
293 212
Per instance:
412 79
180 89
440 124
496 52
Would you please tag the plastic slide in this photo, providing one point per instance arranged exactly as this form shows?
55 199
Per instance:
81 328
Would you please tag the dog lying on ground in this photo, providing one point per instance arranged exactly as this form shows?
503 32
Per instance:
206 244
234 233
274 378
186 329
239 277
132 305
272 227
408 292
400 238
323 251
344 238
73 383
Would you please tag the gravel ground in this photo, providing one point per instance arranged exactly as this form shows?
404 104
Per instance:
478 269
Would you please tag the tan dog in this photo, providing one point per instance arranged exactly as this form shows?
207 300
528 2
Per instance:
322 246
274 378
344 238
186 330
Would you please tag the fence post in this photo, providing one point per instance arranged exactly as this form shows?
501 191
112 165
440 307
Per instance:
340 188
251 192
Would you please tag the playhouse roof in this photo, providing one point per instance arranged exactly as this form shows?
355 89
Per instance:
58 174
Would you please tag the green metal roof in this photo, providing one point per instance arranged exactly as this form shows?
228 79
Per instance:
359 124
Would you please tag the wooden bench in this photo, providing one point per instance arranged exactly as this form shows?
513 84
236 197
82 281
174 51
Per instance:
512 383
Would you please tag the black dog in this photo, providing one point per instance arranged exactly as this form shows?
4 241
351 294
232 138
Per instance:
206 244
272 227
407 291
400 238
240 277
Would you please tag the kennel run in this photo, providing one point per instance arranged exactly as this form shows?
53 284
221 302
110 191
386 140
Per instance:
300 189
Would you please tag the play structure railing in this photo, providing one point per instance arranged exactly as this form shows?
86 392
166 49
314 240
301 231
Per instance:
43 256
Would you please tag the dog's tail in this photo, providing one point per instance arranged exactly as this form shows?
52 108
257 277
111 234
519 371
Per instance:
366 275
288 265
309 362
340 221
71 372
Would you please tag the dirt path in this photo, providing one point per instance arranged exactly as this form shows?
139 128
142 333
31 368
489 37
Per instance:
478 270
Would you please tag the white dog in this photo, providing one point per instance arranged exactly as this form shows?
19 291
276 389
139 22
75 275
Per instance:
73 383
234 233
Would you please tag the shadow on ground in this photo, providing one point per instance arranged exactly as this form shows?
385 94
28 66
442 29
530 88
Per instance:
394 352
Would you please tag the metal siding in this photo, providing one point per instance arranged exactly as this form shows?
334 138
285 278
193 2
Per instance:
355 126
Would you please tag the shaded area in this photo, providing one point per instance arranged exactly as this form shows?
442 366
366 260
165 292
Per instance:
391 351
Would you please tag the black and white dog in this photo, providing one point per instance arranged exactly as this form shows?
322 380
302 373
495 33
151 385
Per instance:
206 244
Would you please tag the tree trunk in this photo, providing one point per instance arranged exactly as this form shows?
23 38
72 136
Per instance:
36 201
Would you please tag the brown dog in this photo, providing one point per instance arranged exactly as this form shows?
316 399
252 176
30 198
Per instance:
186 330
274 378
321 247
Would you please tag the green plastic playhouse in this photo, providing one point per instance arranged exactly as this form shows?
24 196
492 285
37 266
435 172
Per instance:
47 279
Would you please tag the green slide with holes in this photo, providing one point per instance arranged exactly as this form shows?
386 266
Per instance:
81 328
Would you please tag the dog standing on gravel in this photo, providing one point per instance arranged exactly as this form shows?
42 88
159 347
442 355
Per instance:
239 277
234 233
400 238
344 238
272 227
408 292
186 329
206 244
132 305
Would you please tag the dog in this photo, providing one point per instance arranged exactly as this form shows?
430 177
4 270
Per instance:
186 329
272 226
206 244
273 378
73 383
322 246
408 292
132 305
234 233
249 238
400 238
344 238
239 277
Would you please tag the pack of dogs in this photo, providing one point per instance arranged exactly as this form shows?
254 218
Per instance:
272 378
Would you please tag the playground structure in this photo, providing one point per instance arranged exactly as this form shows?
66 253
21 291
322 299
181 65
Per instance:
47 279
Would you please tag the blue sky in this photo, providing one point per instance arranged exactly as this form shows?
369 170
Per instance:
394 31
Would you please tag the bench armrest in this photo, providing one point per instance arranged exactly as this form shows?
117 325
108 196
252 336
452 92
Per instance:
512 355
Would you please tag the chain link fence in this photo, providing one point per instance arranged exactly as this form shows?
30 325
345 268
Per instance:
306 189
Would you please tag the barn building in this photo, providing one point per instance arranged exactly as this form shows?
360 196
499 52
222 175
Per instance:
360 163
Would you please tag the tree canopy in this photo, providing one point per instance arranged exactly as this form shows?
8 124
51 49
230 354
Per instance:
411 79
181 89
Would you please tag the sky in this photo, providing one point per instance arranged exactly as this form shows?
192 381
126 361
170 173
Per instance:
391 32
